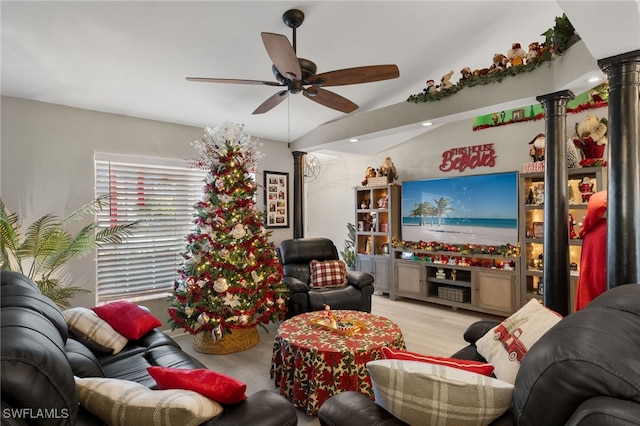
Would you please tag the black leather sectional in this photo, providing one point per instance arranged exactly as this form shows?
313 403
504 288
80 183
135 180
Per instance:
40 358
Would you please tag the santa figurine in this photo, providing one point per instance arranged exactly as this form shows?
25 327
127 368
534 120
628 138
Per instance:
572 231
516 55
586 188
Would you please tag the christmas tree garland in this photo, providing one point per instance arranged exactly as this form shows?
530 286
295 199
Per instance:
231 277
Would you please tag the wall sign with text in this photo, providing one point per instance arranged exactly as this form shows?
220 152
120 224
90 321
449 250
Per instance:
468 157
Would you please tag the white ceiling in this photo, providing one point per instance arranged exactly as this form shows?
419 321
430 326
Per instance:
132 58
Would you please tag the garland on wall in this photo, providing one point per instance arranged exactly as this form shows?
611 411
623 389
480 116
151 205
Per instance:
557 40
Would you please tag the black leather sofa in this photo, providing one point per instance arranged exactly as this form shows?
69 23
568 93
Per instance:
583 371
39 360
295 256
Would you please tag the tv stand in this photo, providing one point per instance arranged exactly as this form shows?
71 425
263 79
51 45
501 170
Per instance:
478 282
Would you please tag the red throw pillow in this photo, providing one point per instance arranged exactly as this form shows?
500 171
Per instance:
462 364
217 386
127 318
330 273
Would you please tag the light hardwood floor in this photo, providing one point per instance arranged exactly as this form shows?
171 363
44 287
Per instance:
427 328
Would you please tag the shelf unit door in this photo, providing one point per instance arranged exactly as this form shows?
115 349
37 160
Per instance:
494 291
410 279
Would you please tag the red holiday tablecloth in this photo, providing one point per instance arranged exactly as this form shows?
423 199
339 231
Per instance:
310 363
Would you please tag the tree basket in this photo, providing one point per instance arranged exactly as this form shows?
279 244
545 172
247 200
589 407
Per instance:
237 341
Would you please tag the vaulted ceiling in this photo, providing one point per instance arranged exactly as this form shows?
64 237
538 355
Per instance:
132 58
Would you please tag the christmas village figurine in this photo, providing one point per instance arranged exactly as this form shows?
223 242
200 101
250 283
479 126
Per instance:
431 87
328 318
533 55
389 170
590 137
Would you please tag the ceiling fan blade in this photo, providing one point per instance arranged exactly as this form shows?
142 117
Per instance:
233 81
356 75
272 102
282 55
329 99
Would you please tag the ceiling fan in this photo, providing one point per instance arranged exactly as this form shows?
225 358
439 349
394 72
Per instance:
299 75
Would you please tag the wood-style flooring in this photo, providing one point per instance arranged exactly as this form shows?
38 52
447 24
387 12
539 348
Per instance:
427 328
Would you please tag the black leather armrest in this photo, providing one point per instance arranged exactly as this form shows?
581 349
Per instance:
601 411
352 408
359 279
478 329
295 285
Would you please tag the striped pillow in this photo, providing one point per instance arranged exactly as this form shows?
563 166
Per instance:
124 403
329 273
472 366
93 331
422 393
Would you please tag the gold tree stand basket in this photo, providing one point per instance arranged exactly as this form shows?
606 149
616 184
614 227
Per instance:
237 341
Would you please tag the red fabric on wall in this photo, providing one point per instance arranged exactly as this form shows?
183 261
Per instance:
593 258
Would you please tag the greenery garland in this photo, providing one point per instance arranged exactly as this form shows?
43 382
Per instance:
557 40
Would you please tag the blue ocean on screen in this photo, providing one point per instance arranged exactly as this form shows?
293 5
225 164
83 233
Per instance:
461 221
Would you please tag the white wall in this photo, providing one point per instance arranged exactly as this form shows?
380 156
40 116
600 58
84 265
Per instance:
47 163
330 198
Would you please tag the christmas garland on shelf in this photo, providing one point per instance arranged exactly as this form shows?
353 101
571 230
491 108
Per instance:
557 40
461 249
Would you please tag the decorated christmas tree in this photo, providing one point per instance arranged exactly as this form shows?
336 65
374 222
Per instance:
231 278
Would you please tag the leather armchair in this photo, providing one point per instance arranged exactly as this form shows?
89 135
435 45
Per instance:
295 256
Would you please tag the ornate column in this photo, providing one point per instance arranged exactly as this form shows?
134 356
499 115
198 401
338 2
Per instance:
555 269
298 193
623 186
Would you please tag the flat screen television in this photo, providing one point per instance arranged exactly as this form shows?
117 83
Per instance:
478 209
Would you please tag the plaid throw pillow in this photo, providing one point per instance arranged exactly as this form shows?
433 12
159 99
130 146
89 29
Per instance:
330 273
421 393
124 403
93 331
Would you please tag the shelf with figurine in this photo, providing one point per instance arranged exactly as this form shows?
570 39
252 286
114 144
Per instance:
377 222
587 174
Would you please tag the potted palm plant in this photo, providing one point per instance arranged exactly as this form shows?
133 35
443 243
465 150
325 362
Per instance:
349 253
46 246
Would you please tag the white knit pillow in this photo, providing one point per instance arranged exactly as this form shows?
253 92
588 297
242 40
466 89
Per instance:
421 393
505 345
123 403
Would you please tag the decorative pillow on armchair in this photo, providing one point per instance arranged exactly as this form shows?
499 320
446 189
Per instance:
422 393
329 273
504 346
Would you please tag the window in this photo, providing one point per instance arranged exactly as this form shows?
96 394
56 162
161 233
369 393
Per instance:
159 194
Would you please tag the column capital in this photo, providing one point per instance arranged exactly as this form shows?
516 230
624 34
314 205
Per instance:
562 94
605 63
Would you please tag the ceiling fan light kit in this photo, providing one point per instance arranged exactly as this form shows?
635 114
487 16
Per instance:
298 75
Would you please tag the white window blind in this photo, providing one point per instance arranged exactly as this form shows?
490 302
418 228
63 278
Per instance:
159 194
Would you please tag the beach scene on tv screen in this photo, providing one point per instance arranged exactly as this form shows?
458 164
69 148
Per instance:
480 209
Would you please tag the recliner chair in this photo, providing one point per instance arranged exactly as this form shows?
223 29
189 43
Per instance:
296 255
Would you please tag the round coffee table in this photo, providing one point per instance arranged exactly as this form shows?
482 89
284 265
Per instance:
311 363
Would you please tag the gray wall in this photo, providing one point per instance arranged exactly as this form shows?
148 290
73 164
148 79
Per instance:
47 164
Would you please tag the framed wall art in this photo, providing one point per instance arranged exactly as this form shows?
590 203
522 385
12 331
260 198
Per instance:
276 197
